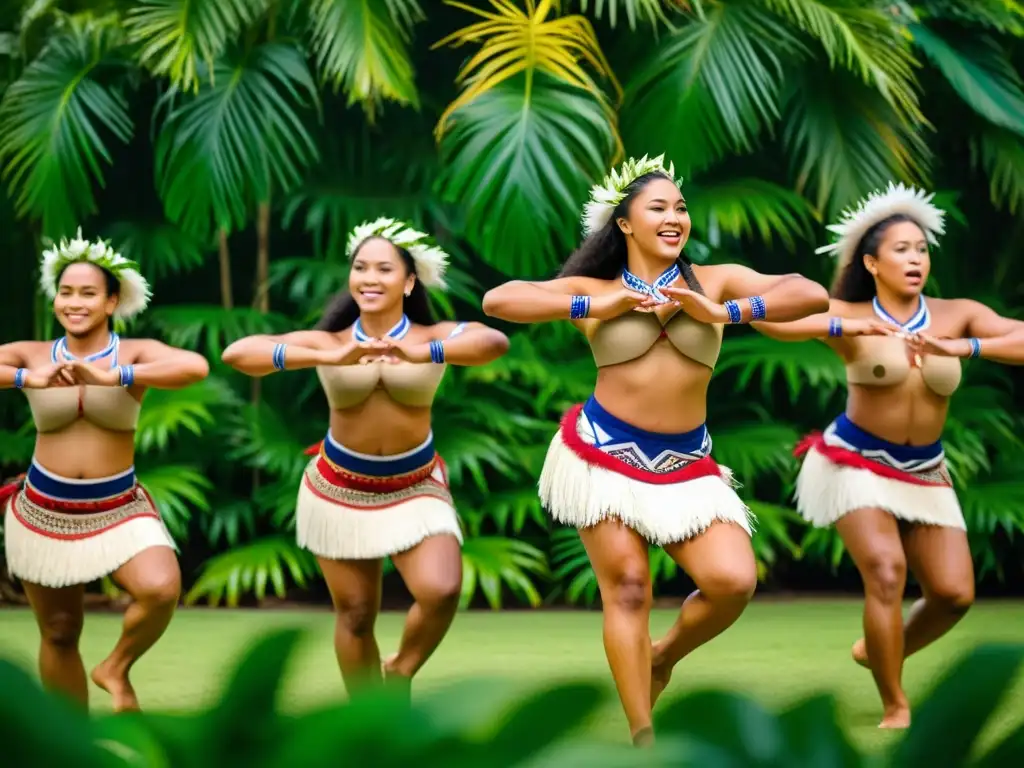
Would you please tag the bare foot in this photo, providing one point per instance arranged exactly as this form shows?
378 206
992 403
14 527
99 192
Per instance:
860 653
896 717
118 686
644 737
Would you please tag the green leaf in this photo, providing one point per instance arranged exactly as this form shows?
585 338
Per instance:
250 568
56 122
521 157
749 207
168 411
650 11
175 490
1000 154
800 364
213 328
572 567
160 248
361 48
222 150
754 448
724 724
177 37
980 72
495 562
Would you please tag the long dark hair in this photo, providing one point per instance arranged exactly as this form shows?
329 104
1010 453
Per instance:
113 285
854 283
603 253
342 310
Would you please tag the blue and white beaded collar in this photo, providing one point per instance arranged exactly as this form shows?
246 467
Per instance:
663 280
59 351
399 331
918 322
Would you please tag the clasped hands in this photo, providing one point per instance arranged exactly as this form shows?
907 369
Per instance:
385 350
71 373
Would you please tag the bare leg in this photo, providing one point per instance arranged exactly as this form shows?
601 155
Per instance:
619 557
940 558
355 587
721 563
60 615
153 579
872 538
432 571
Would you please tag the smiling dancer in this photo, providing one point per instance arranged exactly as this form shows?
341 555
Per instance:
80 514
878 472
633 465
377 487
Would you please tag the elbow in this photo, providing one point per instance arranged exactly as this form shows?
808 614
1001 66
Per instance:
816 297
198 368
497 345
492 303
231 356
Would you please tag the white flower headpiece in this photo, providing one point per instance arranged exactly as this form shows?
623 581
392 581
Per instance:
133 288
431 261
606 196
896 199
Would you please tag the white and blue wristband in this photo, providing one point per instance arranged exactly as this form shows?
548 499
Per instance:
126 375
19 378
579 307
975 347
437 351
278 356
758 310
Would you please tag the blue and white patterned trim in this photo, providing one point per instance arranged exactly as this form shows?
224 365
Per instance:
975 347
579 307
19 378
59 351
399 331
843 433
758 309
663 280
437 351
735 313
126 375
835 327
278 356
920 320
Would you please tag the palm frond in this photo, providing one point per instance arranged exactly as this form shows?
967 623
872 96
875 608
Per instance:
493 563
997 15
159 248
526 42
167 411
521 157
509 510
980 72
651 11
57 120
177 37
571 567
1000 153
251 569
800 364
749 207
16 447
772 533
209 327
262 437
752 449
714 84
864 38
176 489
222 150
227 522
361 48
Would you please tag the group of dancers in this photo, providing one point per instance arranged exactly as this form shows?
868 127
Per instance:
630 467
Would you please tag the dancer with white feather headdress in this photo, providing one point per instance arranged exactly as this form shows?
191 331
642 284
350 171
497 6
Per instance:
632 466
878 472
79 513
376 486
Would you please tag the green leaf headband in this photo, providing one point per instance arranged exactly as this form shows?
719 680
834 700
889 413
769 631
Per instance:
133 289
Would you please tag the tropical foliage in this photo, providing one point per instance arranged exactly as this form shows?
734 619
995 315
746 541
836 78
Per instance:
229 146
475 723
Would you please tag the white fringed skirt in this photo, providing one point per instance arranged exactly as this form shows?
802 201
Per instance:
60 531
352 506
846 469
599 467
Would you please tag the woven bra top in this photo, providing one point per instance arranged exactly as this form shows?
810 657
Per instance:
882 362
411 384
631 336
110 408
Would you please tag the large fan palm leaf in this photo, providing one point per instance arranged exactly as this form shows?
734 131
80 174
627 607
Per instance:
223 149
361 47
56 122
180 39
651 11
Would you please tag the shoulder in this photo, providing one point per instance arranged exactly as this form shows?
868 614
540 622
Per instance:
958 307
850 308
583 286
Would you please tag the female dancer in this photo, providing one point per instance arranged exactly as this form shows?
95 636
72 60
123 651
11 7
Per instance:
80 513
633 465
377 488
878 472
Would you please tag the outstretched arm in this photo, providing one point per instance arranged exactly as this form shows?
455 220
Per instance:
467 344
261 355
519 301
12 357
990 335
750 295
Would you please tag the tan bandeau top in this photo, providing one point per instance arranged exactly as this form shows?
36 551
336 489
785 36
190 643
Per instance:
632 335
882 362
111 408
412 384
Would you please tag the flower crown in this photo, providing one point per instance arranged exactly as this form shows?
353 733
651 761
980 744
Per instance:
133 288
431 261
876 207
604 198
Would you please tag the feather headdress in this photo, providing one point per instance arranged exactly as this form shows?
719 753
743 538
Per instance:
606 196
133 288
431 261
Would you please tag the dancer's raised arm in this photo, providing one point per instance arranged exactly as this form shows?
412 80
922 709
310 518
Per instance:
564 298
988 334
261 355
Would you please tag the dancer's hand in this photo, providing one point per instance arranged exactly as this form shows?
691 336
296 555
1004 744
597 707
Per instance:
86 373
403 351
52 375
614 303
698 306
869 326
354 353
923 344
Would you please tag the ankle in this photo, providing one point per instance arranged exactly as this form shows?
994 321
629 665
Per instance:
644 737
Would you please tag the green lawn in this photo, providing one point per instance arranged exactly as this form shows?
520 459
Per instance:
778 652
